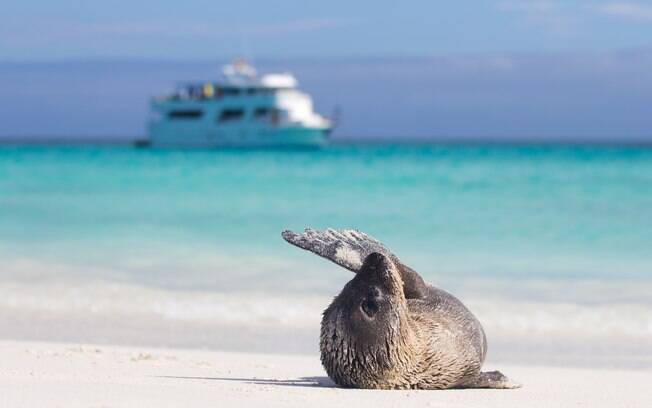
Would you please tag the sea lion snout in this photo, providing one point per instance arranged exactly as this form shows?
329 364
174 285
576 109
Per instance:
380 268
373 292
375 261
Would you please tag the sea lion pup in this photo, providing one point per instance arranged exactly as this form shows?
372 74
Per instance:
388 329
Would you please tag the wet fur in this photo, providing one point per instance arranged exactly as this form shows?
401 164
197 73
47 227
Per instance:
422 338
434 343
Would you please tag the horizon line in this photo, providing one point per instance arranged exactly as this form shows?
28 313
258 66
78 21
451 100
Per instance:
494 141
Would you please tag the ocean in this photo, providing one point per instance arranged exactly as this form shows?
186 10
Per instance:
550 246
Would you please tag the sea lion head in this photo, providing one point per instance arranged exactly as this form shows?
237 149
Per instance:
362 329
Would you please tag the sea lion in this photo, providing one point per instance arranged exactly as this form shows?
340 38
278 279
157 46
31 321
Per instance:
388 329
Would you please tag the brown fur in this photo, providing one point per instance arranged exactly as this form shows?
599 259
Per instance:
388 328
431 342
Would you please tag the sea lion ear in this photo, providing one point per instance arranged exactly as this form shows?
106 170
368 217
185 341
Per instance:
347 248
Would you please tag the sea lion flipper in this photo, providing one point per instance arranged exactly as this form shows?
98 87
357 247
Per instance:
490 379
347 248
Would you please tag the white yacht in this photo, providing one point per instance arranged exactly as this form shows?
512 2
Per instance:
242 109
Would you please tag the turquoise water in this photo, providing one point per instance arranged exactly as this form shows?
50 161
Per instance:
548 245
528 212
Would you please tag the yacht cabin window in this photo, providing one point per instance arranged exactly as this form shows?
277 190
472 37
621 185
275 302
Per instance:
228 115
230 91
185 114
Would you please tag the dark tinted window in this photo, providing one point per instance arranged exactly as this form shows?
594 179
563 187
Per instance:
231 114
230 91
260 112
185 114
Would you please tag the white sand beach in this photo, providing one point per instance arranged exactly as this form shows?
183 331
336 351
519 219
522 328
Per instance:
85 375
119 346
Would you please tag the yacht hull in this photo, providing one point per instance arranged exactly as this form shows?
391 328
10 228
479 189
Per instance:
161 135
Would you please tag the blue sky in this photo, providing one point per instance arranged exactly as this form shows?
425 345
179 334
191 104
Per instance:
65 29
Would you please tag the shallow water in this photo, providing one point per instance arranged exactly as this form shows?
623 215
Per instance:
522 225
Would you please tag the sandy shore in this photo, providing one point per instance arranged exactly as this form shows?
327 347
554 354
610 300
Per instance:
73 375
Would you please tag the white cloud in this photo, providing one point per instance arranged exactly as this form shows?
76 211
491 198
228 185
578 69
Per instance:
635 11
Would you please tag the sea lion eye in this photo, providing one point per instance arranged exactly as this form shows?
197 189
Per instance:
369 307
